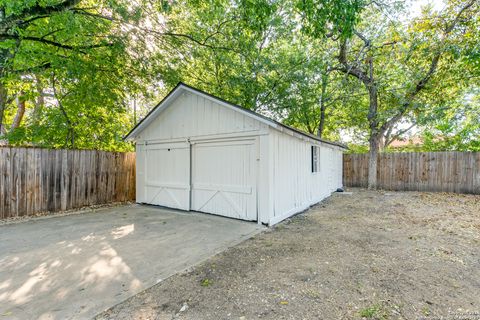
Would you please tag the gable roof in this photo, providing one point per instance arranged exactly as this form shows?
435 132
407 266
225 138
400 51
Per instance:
182 87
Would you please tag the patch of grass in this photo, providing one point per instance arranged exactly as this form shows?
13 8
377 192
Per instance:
370 312
426 311
206 282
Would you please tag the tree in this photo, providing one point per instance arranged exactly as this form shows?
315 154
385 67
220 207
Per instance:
363 58
75 64
251 53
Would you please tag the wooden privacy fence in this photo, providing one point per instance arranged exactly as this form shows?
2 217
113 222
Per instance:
417 171
34 180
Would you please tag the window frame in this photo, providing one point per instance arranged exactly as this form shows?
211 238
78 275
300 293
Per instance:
315 159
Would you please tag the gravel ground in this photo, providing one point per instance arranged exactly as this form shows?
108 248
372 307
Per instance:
376 255
50 214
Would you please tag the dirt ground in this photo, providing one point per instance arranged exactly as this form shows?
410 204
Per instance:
376 255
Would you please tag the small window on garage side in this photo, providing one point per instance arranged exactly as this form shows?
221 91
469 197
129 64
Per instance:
315 159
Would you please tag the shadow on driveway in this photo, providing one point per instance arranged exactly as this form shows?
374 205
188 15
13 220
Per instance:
76 266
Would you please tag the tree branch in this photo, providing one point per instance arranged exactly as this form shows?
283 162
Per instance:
34 11
458 16
53 43
46 10
410 96
350 69
43 66
389 140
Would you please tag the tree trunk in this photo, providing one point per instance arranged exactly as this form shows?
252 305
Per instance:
39 103
375 135
372 162
323 107
381 144
3 105
321 126
20 112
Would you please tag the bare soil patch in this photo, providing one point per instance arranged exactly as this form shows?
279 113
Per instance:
377 255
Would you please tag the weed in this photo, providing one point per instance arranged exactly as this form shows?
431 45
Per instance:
426 311
370 312
206 282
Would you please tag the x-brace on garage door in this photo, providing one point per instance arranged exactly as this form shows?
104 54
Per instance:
216 177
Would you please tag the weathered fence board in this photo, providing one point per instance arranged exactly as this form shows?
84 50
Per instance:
34 180
417 171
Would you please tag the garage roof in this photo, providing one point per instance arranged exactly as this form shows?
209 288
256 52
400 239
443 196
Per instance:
182 87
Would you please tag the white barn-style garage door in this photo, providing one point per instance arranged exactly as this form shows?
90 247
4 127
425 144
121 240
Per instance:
216 177
167 175
224 178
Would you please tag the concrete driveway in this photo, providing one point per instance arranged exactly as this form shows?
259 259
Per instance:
74 267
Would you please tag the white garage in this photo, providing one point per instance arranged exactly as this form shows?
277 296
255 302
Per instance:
197 152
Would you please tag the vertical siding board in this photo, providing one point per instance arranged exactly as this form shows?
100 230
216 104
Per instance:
22 183
449 161
30 181
133 185
385 177
64 181
123 178
83 178
99 185
8 182
58 180
37 180
103 181
91 170
476 180
93 177
78 177
14 183
86 175
470 174
3 189
51 180
466 173
120 186
451 176
105 176
436 183
132 182
15 163
110 174
117 175
126 177
71 180
433 171
126 186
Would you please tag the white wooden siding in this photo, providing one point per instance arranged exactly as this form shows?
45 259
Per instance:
140 173
192 115
294 186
